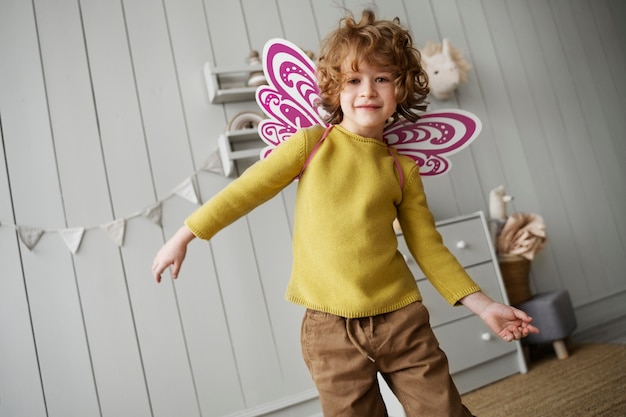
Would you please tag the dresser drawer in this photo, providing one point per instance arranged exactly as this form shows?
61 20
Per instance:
442 312
466 240
469 342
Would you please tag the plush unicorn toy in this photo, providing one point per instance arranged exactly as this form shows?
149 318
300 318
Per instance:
445 67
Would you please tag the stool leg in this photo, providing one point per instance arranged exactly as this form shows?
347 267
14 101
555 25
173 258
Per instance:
560 349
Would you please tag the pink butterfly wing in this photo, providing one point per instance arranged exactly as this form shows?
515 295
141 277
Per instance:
290 101
291 96
435 136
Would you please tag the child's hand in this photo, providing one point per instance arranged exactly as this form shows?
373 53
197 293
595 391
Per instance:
508 322
172 253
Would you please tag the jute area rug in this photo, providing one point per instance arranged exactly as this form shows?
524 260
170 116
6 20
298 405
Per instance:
590 382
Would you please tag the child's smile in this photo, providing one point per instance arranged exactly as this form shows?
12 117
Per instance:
367 100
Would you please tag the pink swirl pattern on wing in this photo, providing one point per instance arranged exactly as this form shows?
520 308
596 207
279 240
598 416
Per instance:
433 137
291 96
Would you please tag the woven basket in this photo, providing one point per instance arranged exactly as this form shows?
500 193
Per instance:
515 270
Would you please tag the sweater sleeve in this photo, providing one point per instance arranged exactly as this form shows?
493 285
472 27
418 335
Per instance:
435 260
258 184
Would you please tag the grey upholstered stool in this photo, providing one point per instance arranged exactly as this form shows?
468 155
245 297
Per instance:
553 314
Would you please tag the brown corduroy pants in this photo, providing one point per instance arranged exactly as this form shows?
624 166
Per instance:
345 355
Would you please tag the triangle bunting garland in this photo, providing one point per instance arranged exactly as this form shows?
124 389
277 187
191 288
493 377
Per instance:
73 237
187 191
30 235
116 229
154 214
214 163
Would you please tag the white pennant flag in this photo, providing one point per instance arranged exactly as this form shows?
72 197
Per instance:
73 237
115 230
29 235
214 163
154 214
187 191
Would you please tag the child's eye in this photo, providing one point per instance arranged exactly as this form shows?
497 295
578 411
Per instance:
382 79
353 81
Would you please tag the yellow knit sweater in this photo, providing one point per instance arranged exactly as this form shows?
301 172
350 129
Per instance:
345 252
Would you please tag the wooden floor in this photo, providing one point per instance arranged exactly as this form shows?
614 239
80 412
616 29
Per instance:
613 331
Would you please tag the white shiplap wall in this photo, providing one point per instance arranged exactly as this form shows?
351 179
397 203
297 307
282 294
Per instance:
103 112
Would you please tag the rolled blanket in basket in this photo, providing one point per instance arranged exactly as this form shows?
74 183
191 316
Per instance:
523 234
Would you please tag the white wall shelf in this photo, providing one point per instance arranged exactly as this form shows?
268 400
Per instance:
226 143
229 83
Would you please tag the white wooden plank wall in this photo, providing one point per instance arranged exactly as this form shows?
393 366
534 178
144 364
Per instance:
104 112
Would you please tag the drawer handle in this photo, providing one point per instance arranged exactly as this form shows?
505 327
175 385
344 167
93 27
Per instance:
461 244
486 336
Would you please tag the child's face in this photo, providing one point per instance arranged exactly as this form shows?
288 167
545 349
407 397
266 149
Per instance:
367 99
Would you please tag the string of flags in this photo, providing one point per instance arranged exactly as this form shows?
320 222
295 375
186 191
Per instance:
115 229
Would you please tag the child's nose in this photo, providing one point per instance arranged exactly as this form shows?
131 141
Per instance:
367 89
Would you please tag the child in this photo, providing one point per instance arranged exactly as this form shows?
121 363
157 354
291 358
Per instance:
364 312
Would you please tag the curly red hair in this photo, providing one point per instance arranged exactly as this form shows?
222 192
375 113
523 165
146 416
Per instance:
383 43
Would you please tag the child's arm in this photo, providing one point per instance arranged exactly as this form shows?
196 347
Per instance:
172 253
507 322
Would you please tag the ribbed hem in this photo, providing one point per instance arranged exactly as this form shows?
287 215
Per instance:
197 231
456 298
355 314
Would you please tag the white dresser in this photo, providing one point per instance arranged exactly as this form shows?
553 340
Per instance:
476 356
